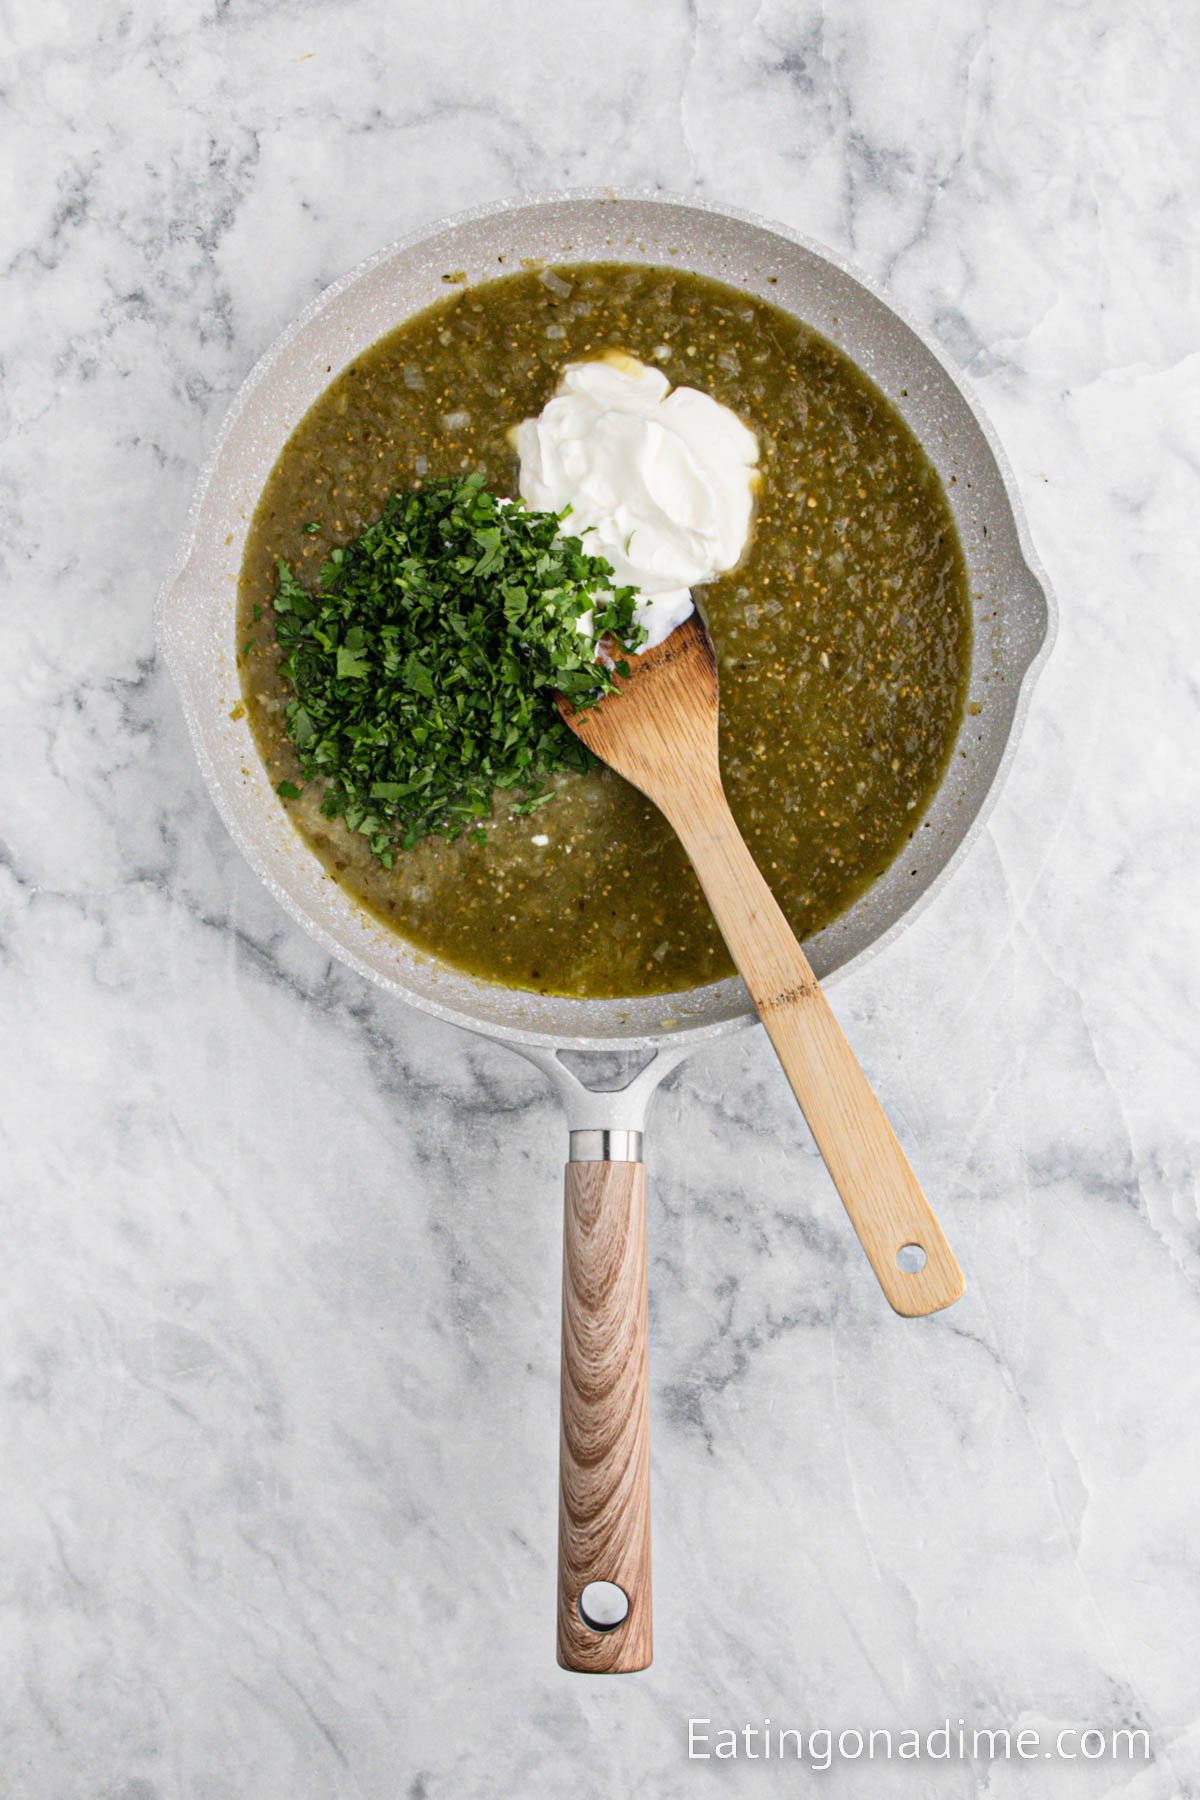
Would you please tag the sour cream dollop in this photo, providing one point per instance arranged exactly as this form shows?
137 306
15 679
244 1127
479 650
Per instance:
659 483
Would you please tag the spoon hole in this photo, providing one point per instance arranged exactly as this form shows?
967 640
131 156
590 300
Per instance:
910 1258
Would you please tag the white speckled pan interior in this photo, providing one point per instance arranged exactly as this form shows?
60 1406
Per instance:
1012 611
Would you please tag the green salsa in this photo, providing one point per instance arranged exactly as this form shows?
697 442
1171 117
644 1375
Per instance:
843 636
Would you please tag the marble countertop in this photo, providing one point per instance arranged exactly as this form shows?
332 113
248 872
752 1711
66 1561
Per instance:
279 1290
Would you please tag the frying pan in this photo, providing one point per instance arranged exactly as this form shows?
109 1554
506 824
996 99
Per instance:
605 1057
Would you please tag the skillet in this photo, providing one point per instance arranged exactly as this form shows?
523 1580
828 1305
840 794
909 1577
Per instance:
605 1057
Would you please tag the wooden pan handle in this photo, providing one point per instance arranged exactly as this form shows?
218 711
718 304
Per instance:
604 1452
881 1194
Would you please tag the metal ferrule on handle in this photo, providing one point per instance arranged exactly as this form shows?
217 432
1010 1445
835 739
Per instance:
602 1145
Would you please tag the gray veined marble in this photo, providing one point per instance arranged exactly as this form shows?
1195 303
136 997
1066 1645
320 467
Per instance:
278 1298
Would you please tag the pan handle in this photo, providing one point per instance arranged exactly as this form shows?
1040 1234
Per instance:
604 1602
604 1599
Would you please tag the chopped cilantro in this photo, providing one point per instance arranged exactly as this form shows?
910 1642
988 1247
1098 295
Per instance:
423 670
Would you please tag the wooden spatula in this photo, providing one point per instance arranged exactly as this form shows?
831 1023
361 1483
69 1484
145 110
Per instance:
659 730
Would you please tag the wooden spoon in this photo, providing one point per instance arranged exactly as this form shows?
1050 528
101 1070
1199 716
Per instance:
659 730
